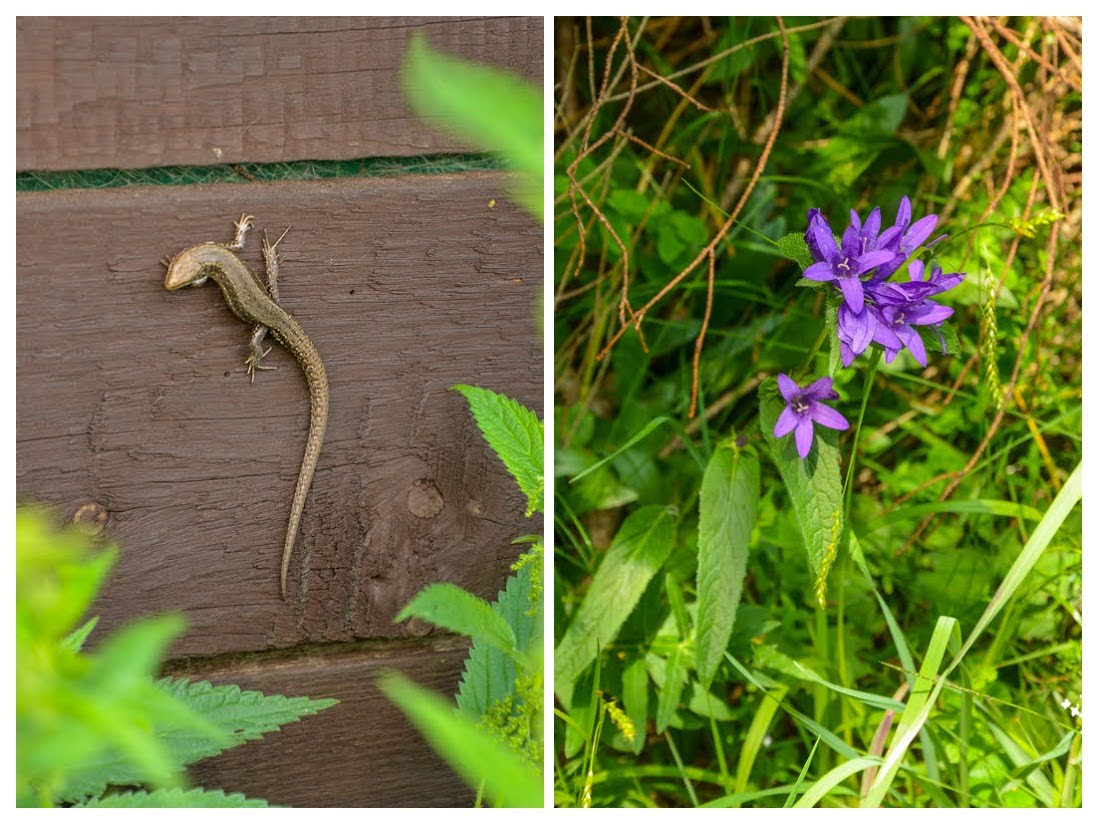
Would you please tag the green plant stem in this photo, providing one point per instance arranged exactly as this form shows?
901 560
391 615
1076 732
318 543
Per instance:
848 492
718 748
806 364
682 769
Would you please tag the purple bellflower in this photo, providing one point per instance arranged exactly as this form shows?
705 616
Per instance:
873 309
843 264
805 406
903 306
904 237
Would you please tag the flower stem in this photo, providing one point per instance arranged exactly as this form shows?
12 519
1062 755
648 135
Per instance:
848 491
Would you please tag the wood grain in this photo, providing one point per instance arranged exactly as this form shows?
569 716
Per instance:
156 91
361 752
134 400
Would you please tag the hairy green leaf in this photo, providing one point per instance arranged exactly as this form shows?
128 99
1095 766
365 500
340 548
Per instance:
489 673
639 549
452 608
515 435
727 504
814 485
793 247
233 716
174 798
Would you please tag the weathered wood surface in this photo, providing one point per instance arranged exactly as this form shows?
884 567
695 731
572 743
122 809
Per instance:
154 91
358 753
134 399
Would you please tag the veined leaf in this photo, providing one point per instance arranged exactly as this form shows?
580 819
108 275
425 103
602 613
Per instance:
793 247
814 484
639 549
452 608
234 716
489 673
174 798
515 435
727 504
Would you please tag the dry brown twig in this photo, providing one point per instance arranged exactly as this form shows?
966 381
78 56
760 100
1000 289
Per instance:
638 316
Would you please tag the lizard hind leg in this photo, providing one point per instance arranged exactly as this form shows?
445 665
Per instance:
255 346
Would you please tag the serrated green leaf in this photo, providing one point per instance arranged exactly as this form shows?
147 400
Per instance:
727 504
452 608
639 549
174 798
515 435
473 753
234 715
793 247
814 485
491 109
489 673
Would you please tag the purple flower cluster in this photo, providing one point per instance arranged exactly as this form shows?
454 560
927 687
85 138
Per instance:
874 309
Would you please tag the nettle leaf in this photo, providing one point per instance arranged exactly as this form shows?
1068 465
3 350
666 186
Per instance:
174 798
727 507
237 715
814 484
489 673
640 548
515 435
451 607
793 247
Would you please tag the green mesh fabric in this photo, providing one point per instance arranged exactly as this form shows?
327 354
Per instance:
250 172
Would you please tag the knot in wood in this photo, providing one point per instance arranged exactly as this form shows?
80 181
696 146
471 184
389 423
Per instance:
424 499
90 519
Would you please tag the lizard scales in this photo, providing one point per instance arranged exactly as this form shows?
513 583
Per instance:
252 303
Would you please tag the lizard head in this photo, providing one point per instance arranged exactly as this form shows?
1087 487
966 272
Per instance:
189 267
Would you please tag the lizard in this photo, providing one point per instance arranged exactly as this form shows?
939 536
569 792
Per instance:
252 303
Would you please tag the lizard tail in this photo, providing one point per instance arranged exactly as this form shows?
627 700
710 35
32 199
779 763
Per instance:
318 421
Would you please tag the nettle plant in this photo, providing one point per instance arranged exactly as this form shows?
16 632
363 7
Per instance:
871 308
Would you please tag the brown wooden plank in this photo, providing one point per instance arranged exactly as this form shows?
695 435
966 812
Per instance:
155 91
134 399
359 753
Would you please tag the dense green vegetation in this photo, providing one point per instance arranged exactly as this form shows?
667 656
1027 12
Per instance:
895 620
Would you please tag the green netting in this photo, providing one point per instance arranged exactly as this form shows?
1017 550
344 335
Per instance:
250 172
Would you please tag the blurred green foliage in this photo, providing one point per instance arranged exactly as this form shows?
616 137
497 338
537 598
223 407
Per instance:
88 721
